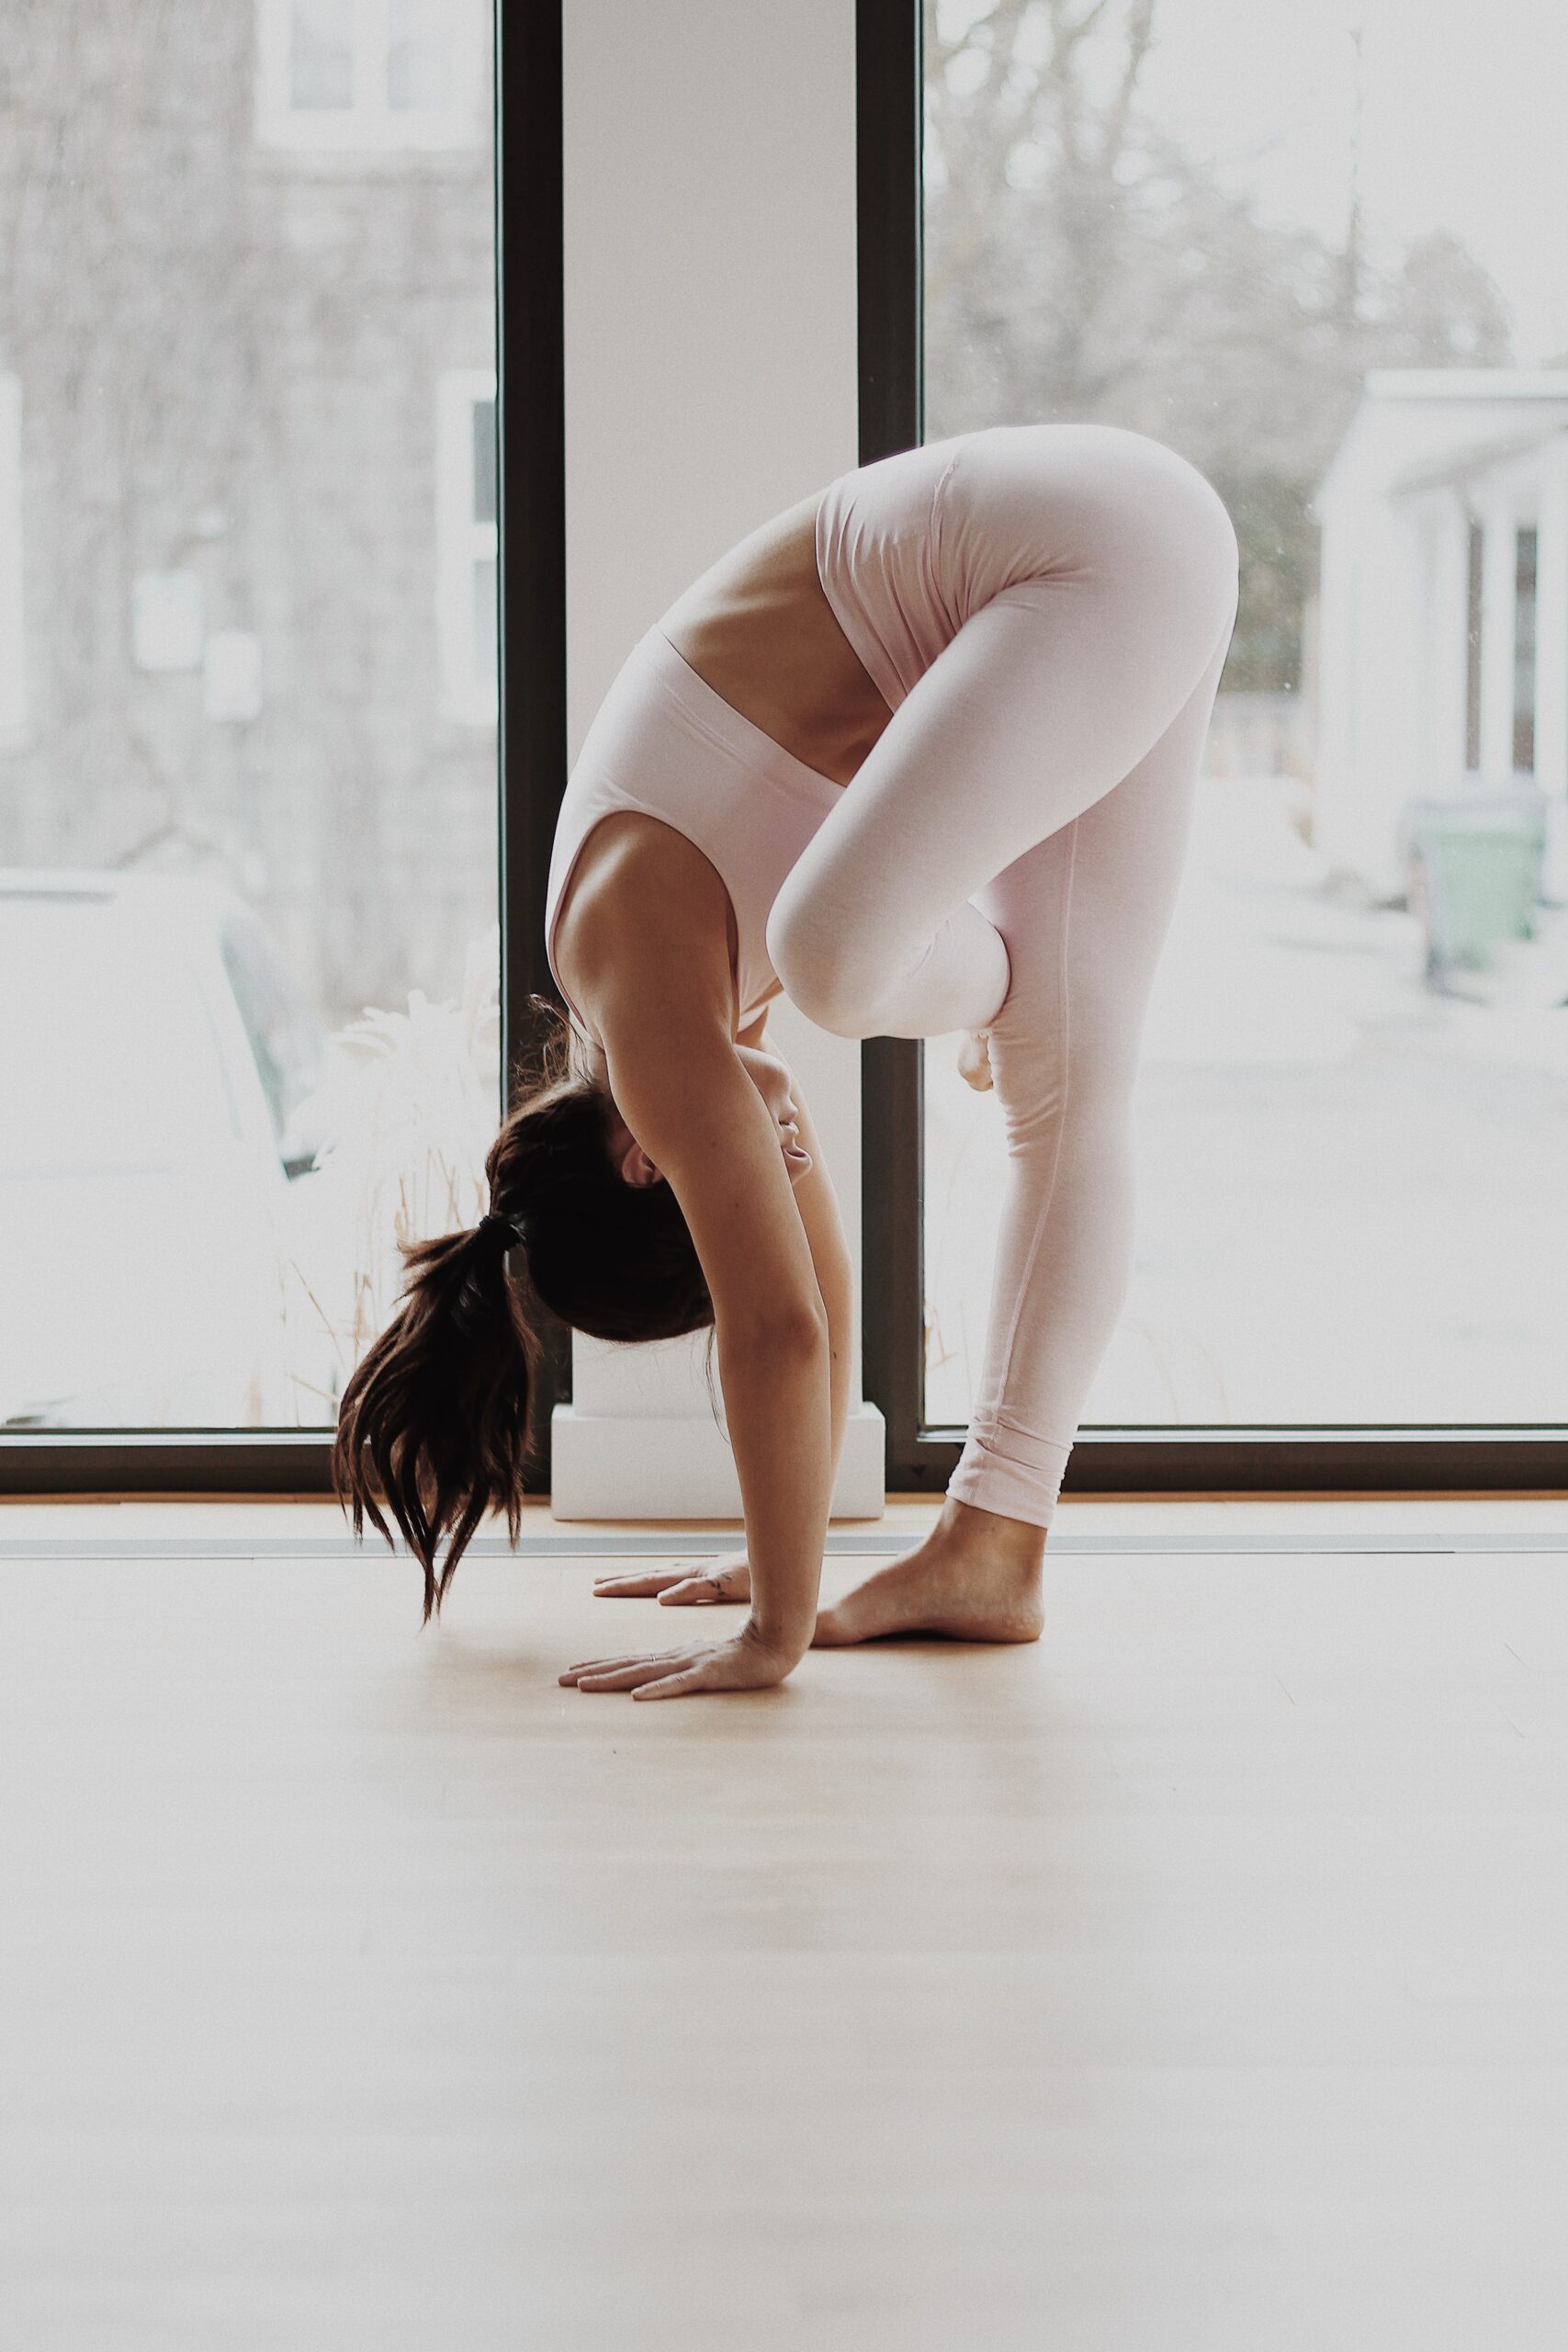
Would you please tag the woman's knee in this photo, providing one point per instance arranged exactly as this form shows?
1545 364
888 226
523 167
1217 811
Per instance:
813 954
1082 1068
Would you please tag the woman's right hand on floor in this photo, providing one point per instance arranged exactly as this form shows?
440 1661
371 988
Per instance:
750 1662
683 1586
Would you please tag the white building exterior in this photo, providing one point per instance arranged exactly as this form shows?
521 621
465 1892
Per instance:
1443 621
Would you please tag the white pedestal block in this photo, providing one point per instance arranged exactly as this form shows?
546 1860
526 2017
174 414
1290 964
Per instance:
637 1466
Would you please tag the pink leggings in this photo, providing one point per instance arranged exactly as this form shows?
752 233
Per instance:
1007 858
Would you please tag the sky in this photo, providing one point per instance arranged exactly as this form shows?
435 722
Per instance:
1463 125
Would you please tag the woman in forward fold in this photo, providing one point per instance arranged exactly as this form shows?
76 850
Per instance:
920 754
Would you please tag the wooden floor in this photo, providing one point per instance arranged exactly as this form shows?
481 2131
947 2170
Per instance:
1197 1979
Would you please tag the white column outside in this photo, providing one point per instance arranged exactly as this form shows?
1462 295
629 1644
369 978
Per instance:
711 381
1447 629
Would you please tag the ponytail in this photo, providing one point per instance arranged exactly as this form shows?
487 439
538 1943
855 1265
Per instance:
434 1420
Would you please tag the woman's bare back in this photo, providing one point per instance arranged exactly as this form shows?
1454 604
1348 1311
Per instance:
758 628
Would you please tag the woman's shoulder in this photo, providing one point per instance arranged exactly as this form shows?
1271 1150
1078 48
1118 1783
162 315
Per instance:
644 900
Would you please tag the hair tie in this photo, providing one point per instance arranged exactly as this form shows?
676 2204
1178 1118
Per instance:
499 1233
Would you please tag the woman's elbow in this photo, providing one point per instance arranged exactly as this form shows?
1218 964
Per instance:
795 1332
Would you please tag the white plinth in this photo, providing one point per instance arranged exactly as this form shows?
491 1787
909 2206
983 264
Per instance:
634 1466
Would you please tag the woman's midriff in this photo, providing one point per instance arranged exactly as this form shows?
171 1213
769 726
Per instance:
758 628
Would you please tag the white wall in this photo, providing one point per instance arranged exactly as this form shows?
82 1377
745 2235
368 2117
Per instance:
710 294
710 381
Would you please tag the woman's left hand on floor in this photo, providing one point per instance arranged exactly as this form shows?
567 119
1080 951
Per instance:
683 1586
747 1663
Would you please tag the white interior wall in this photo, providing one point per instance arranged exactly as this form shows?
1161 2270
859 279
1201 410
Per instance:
711 375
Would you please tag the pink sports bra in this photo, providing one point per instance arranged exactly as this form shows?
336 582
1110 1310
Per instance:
665 744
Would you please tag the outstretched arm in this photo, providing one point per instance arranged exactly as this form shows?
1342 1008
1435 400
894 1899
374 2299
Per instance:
686 1097
693 1582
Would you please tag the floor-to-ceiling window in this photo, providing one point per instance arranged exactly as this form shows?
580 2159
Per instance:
1309 249
248 693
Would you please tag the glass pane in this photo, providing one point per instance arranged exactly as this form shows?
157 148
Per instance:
281 1029
90 986
484 461
248 869
1352 1109
321 54
419 38
486 650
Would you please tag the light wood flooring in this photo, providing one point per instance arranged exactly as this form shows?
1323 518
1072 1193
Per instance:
1194 1981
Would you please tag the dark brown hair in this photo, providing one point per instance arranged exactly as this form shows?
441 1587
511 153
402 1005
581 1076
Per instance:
434 1422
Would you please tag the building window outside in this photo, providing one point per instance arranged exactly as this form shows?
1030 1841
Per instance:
1474 575
466 545
1524 650
376 75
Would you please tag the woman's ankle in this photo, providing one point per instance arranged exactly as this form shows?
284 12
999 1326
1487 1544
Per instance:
1017 1540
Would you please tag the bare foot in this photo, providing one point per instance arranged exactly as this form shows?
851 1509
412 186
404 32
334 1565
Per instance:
974 1060
976 1578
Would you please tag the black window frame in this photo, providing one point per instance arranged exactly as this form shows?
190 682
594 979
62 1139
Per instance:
1311 1459
531 770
